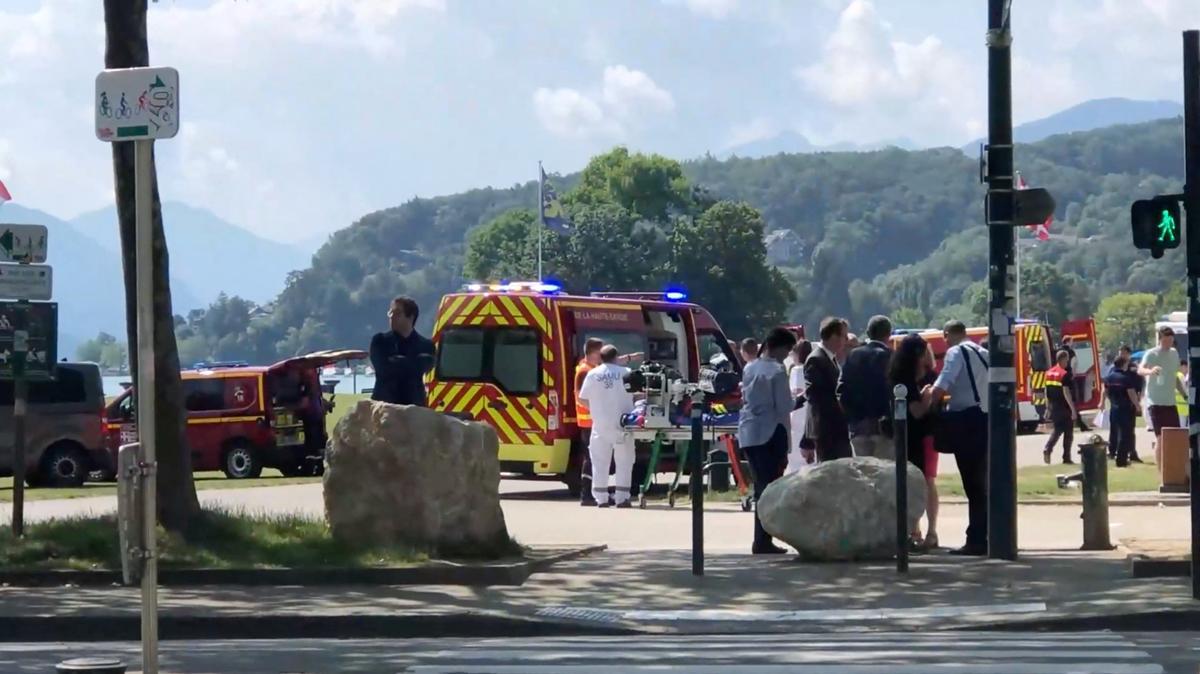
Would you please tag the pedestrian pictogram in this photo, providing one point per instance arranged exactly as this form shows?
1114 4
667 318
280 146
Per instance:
1167 227
1157 224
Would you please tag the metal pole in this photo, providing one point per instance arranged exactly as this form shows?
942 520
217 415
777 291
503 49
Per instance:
20 409
900 433
1191 201
696 487
541 222
1017 292
1002 379
144 189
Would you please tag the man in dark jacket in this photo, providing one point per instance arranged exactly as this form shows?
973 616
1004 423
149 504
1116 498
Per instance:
827 423
401 357
1074 382
864 394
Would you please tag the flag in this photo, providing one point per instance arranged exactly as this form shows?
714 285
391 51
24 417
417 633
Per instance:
552 212
4 195
1041 231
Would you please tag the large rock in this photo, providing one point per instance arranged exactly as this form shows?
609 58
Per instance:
408 475
840 510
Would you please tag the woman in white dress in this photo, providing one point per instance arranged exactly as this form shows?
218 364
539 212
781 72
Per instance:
798 459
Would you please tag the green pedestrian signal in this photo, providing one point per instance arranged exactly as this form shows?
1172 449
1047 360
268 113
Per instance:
1157 224
1168 228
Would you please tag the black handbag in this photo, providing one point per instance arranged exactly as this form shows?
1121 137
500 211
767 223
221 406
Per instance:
950 427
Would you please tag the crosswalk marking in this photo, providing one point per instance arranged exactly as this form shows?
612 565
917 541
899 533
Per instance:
847 653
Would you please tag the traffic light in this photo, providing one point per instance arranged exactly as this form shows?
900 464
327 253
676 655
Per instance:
1157 224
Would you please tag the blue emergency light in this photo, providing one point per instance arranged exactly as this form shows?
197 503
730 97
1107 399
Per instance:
675 295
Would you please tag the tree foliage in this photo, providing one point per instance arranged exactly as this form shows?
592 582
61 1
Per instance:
1126 318
891 231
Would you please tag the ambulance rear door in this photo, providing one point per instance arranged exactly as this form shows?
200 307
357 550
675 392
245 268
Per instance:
1087 361
496 364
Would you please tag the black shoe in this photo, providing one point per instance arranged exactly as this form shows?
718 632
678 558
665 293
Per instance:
1122 464
625 504
606 504
970 551
1136 460
1067 461
768 549
1046 457
587 502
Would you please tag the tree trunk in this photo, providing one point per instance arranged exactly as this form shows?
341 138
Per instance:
126 47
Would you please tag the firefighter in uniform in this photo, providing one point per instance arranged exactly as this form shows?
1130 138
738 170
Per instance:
604 393
583 418
1061 400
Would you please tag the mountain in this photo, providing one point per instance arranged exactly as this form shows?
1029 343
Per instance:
88 281
790 142
210 255
1094 114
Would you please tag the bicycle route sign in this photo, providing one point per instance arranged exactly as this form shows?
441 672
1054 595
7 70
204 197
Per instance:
137 104
30 328
23 243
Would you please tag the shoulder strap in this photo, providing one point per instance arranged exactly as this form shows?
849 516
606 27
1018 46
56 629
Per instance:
971 373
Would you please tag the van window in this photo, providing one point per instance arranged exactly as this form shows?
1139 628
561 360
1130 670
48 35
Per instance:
68 387
508 357
626 342
204 395
714 348
1039 354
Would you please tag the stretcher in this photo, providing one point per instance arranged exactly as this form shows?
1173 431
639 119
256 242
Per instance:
681 438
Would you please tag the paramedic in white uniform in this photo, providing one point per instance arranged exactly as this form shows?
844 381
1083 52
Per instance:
604 393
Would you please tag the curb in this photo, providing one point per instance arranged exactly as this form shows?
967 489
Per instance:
1144 566
1159 620
435 573
1078 503
189 628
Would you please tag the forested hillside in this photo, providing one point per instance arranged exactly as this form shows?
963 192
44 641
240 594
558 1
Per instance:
893 230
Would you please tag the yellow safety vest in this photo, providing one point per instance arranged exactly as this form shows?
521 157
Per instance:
583 417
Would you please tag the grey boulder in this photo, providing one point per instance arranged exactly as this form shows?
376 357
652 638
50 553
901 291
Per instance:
840 510
403 475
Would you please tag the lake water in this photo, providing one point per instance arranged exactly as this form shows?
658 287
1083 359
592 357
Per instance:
346 385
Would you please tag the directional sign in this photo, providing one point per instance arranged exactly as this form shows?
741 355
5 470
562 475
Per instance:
23 243
38 335
25 281
137 104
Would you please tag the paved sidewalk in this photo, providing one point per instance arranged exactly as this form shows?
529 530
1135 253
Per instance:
656 591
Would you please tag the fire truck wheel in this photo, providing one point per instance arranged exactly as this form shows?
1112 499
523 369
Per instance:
64 464
241 462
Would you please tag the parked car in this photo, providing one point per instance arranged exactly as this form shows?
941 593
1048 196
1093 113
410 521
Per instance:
64 430
241 419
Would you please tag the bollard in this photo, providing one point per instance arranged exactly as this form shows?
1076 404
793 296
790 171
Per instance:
900 435
91 666
696 487
1094 455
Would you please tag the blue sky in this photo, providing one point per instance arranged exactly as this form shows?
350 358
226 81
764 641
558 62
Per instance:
302 115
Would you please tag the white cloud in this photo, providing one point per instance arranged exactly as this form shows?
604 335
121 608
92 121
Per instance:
715 9
627 91
625 98
884 87
571 114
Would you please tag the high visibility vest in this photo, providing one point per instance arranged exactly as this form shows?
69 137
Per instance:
583 417
1181 402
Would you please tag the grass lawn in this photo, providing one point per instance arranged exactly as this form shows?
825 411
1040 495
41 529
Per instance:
204 480
221 541
1033 483
1038 482
342 404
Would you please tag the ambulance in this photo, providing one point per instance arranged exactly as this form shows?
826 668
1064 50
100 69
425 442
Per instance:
506 356
1034 356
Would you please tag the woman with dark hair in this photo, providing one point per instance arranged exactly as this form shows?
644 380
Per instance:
911 366
799 458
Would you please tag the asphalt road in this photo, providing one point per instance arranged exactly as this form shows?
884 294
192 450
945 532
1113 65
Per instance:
851 652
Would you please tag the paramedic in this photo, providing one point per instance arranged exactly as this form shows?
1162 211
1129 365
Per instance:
1060 396
764 421
401 357
590 360
603 392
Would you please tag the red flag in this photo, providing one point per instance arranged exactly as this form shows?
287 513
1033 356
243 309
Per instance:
4 195
1043 230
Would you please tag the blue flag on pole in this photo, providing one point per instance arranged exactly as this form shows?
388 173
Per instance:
552 211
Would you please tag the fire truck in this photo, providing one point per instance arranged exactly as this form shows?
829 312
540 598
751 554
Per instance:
1034 356
506 356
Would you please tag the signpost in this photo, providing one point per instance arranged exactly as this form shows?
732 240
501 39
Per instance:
23 243
26 281
142 105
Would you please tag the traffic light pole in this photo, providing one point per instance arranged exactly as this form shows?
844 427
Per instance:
1191 202
1002 379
